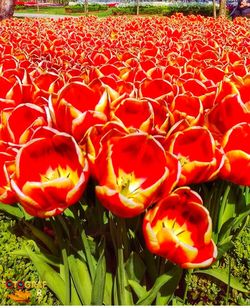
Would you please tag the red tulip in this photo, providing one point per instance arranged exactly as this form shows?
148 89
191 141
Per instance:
227 113
47 84
134 172
96 136
11 89
179 229
188 107
7 168
19 123
51 174
236 144
156 88
198 154
134 113
77 108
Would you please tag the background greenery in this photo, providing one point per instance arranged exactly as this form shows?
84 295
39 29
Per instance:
186 9
103 10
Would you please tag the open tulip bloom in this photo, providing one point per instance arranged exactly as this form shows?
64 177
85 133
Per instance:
179 229
134 171
51 174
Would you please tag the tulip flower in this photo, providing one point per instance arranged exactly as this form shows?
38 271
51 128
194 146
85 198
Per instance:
161 116
47 84
179 229
27 86
134 172
19 123
156 88
98 134
227 113
188 107
200 158
236 144
7 168
134 113
51 174
77 108
196 87
11 89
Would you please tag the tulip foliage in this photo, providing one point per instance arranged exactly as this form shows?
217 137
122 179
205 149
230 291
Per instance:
146 119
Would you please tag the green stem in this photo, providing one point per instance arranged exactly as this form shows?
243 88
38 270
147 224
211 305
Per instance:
247 195
217 190
222 208
162 266
212 197
124 237
64 225
66 276
86 246
120 261
119 238
228 283
88 254
112 229
188 280
58 223
121 277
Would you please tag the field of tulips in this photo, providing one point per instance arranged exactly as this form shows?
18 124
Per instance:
125 151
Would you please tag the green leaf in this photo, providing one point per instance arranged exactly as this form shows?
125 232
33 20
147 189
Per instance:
139 290
50 259
43 237
135 267
107 299
223 207
222 275
150 262
69 213
47 273
13 210
81 278
224 246
166 292
20 252
89 257
160 281
66 276
61 220
99 281
75 300
123 289
229 212
247 194
177 301
25 214
226 230
85 279
115 292
239 219
233 223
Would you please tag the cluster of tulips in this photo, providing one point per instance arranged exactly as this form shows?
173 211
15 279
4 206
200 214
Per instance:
146 107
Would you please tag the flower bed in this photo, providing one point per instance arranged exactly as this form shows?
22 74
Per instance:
128 140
